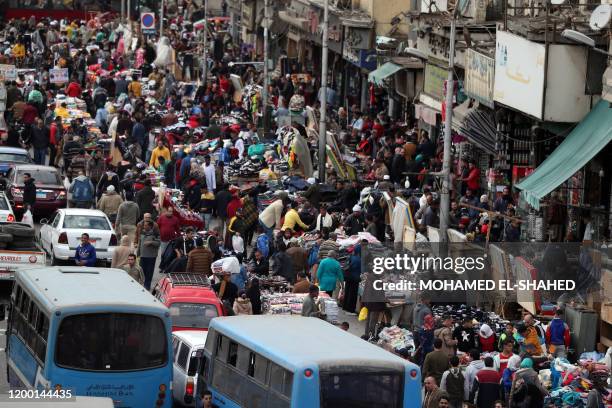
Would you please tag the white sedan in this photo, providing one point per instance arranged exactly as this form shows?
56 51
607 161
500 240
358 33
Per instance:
6 210
61 234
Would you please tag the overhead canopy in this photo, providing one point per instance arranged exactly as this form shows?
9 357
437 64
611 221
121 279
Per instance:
580 146
477 125
377 76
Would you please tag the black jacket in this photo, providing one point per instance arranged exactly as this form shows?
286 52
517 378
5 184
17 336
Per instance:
144 198
222 198
40 137
29 192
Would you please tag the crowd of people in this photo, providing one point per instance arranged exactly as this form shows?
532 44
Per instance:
110 77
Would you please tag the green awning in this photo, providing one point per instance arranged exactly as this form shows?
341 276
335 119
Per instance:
581 145
384 71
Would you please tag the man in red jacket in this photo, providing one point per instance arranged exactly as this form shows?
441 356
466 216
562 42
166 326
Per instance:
169 227
73 89
473 178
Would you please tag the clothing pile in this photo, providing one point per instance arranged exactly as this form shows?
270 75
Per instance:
396 338
244 168
282 303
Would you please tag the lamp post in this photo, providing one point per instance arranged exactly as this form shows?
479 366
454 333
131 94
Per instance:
205 46
323 96
446 160
264 93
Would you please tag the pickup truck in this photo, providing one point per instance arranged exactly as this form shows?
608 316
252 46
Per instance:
18 249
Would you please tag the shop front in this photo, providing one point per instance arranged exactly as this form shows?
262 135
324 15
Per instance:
360 60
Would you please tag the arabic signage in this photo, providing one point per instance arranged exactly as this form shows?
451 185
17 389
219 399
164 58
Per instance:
519 73
479 77
365 59
58 75
435 78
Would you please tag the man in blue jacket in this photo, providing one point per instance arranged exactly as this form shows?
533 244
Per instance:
558 335
85 253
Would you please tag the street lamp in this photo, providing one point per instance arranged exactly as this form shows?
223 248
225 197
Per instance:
581 38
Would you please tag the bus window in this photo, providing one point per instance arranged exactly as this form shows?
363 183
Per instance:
232 355
281 380
111 342
258 367
181 360
222 348
360 388
244 355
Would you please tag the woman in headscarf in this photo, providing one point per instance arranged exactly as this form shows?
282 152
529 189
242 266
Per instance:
527 391
486 338
254 293
121 253
508 375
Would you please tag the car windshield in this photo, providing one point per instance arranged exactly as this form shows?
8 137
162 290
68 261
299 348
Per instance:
192 315
111 342
50 177
13 158
86 222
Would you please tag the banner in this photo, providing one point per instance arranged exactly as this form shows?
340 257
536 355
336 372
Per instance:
479 77
58 75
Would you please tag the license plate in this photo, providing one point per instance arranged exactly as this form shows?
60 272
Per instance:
41 194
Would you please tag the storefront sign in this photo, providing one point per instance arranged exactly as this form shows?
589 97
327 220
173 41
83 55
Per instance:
58 76
479 77
365 59
435 78
519 73
358 38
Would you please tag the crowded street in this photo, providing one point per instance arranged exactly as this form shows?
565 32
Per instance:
305 203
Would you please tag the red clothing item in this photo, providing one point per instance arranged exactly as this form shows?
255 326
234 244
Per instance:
30 113
233 206
53 133
473 179
503 361
378 129
224 84
74 90
487 344
168 227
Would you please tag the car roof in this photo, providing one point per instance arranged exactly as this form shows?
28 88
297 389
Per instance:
81 211
14 150
36 167
193 337
191 293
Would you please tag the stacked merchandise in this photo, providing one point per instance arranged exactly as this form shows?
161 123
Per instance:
273 283
282 303
396 339
329 307
244 168
461 312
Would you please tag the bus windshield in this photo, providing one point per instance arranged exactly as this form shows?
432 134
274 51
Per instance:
356 388
111 342
192 315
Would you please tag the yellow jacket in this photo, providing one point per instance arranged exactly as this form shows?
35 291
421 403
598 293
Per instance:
19 51
157 153
291 218
135 88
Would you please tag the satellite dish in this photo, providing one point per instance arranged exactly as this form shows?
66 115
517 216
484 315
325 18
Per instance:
600 17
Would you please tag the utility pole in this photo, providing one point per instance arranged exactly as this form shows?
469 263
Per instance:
129 6
323 96
123 11
264 93
446 161
205 63
161 19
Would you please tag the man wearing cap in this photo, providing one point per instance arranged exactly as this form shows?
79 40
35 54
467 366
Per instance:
109 203
354 222
385 184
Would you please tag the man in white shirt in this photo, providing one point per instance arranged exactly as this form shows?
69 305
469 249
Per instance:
209 174
239 145
324 220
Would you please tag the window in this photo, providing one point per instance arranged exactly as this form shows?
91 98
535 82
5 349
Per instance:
192 315
56 220
222 348
175 345
183 354
25 302
111 342
40 177
4 205
260 368
356 388
193 363
244 355
281 380
86 222
210 341
13 158
232 355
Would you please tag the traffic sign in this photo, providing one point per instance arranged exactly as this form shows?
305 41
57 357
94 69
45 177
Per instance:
147 23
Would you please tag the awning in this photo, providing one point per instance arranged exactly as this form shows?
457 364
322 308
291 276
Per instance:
377 76
477 125
581 145
295 21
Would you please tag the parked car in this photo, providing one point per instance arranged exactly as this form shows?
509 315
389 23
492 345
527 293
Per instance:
11 156
6 210
50 190
60 235
191 300
187 346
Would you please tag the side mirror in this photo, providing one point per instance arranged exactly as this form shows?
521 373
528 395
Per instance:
44 221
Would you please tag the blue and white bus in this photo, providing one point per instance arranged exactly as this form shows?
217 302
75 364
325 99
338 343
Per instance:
301 362
93 331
